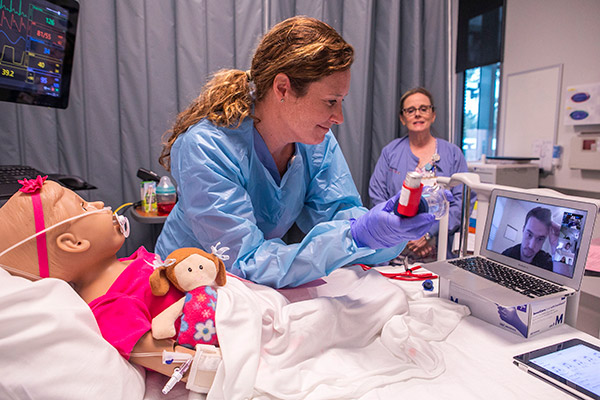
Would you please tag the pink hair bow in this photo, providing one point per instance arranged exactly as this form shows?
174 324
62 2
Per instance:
32 185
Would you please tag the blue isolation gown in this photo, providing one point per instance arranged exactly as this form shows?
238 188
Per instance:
227 195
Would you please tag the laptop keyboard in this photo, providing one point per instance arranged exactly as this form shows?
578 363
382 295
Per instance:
14 173
11 174
527 285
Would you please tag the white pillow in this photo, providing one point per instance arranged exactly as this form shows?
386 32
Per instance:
51 347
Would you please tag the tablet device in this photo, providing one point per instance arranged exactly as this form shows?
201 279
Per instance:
573 366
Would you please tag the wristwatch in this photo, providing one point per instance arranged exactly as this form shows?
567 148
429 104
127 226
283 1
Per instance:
427 236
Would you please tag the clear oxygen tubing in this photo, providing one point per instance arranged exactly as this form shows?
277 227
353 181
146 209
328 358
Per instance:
120 219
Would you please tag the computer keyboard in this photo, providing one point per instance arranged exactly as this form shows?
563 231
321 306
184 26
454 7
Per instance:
11 174
518 281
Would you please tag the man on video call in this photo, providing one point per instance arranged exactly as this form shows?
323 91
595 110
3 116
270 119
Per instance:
538 226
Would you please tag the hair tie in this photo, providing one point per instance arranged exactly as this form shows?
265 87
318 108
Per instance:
220 252
249 75
33 187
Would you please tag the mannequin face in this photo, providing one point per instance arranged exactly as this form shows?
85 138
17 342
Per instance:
101 225
71 247
95 237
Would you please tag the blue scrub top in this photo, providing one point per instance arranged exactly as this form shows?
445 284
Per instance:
227 195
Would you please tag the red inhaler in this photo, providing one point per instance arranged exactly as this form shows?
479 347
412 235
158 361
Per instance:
410 195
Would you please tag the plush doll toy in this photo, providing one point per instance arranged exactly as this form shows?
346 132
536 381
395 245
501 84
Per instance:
194 272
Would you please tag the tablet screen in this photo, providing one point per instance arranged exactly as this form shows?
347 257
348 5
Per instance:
573 365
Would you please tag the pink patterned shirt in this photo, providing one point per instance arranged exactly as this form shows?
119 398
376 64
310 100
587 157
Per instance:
198 320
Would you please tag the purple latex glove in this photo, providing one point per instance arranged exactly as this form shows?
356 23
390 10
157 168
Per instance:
509 315
380 228
449 195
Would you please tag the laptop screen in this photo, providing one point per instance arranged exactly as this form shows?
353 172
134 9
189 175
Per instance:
545 235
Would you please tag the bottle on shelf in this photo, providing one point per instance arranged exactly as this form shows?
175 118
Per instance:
166 196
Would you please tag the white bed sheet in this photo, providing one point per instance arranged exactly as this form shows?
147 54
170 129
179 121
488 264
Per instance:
477 358
479 364
339 343
51 347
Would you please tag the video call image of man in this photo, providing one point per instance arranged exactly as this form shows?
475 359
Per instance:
537 228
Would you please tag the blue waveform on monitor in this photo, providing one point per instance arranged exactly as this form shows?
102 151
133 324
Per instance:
10 40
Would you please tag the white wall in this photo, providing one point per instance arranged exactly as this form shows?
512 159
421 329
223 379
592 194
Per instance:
541 33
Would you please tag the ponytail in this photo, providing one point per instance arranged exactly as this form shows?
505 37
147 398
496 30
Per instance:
225 101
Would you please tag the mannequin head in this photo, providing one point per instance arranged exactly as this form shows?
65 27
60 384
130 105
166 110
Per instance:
73 248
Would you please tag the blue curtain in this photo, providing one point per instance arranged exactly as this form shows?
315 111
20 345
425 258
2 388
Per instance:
139 62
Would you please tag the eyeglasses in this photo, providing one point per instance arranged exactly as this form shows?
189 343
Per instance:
410 111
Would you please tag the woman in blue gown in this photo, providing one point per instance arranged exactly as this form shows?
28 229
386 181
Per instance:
254 154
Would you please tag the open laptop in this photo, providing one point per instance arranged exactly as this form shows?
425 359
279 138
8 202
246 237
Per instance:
556 270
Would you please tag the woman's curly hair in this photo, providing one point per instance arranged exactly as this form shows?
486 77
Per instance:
305 49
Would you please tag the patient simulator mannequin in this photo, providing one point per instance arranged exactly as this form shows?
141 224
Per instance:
83 253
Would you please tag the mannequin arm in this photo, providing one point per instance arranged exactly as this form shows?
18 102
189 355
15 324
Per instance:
147 344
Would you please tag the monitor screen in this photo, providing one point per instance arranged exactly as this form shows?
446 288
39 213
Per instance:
544 235
37 38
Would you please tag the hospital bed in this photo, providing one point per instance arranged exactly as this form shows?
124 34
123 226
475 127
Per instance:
352 335
57 351
477 363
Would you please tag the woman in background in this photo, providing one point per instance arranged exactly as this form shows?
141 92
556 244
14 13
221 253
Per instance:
422 152
254 154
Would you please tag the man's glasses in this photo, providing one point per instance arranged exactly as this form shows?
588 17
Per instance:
410 111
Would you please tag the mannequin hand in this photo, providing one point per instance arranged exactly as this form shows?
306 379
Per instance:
380 228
